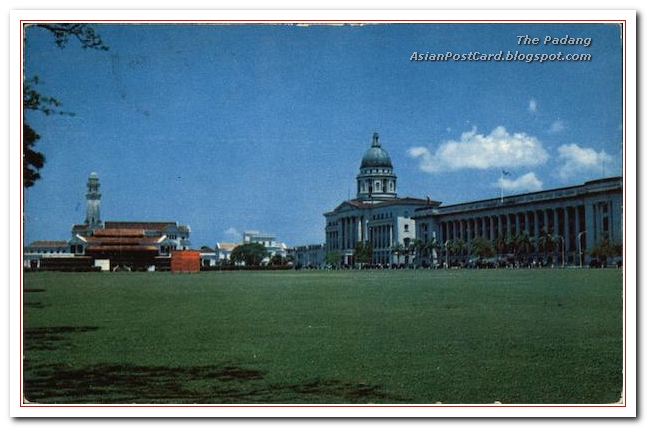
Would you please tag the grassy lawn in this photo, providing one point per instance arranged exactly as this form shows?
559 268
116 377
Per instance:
410 336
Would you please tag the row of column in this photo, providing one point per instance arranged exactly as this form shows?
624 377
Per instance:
381 236
351 230
569 223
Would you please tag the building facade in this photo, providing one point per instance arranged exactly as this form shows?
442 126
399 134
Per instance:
223 251
268 240
377 216
577 219
559 226
38 250
309 256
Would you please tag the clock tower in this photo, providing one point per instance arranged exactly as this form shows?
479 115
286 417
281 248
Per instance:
93 201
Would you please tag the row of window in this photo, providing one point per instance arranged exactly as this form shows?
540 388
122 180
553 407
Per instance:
378 186
382 216
377 171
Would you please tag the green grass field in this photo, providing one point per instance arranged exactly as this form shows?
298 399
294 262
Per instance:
410 336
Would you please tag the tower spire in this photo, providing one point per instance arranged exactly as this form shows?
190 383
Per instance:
93 202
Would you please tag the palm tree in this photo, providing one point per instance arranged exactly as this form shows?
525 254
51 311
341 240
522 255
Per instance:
524 243
546 243
500 243
511 245
604 249
457 247
363 252
419 251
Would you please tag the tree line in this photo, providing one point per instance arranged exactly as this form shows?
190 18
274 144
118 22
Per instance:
517 249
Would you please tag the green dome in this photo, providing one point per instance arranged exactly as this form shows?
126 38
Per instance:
376 156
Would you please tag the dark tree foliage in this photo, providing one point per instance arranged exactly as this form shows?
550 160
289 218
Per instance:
33 100
363 252
32 160
604 249
251 254
482 247
82 32
333 257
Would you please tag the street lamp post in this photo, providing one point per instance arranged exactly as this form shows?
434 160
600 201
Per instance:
579 244
446 255
563 245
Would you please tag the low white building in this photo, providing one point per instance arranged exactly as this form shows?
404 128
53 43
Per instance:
37 250
268 241
208 257
223 251
309 256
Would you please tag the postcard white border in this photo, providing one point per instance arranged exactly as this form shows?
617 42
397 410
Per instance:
326 16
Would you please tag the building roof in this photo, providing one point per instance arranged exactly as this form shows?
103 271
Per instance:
363 205
48 244
594 186
121 248
119 232
225 245
146 225
121 240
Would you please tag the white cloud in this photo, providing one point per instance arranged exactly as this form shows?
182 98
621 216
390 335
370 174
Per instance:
557 126
527 183
498 149
233 234
532 106
582 161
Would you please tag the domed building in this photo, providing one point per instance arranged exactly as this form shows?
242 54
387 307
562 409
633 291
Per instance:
376 218
377 227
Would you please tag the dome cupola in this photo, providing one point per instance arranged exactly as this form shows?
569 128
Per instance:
376 156
376 181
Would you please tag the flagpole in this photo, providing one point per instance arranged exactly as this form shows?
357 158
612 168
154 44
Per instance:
501 187
503 172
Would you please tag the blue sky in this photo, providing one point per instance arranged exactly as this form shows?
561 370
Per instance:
229 128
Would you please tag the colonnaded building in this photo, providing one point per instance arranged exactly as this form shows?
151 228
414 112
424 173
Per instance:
560 225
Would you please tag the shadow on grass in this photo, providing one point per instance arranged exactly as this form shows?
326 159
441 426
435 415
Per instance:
50 338
33 304
213 384
136 384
